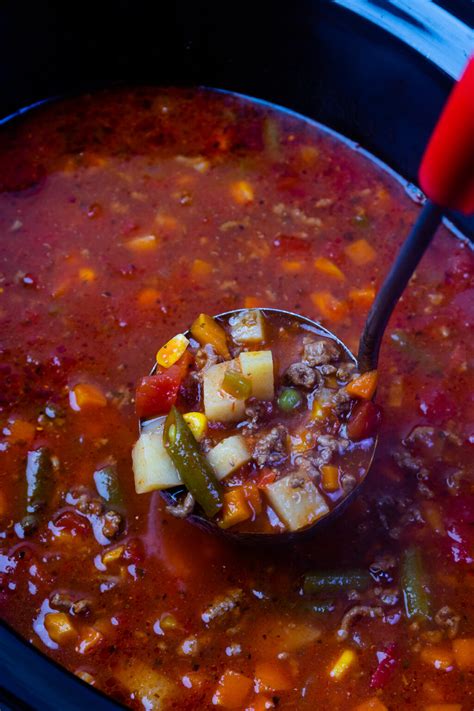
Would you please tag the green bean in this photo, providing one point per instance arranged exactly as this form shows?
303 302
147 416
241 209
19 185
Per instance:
413 582
39 479
107 484
336 580
194 469
289 399
237 385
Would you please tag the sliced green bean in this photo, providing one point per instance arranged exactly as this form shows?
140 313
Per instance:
39 479
414 585
237 385
108 485
336 581
194 469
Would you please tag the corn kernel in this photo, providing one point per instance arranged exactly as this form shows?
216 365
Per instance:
85 395
242 192
169 622
172 351
347 659
197 423
59 627
147 243
87 275
318 412
112 555
327 266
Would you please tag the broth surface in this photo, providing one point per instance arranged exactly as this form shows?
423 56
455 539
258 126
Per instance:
123 215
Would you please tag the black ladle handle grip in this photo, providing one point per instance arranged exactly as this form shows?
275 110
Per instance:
394 284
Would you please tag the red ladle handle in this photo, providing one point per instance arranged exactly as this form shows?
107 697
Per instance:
447 170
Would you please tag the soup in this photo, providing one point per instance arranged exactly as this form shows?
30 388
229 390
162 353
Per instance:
123 215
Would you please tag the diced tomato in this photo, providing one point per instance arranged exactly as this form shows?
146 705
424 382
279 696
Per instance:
388 660
73 523
157 393
266 477
364 421
291 245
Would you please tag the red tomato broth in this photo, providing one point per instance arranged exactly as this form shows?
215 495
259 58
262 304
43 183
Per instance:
84 178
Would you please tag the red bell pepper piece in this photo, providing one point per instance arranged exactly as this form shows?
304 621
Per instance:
156 394
292 246
388 660
364 421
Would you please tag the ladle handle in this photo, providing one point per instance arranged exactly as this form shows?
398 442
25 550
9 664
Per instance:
447 177
395 282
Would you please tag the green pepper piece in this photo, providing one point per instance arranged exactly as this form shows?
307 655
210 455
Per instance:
107 484
336 580
237 385
39 479
194 469
413 581
289 399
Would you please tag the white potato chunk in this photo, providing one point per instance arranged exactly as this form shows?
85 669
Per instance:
247 327
219 406
258 366
152 467
153 689
228 455
296 500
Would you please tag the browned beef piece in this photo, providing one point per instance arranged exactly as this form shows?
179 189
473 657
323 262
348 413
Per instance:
320 352
302 374
112 523
270 448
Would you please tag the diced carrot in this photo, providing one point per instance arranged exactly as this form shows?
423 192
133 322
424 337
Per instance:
361 252
327 266
232 690
201 269
464 653
235 508
61 288
274 675
148 297
252 495
260 703
438 657
291 266
363 297
59 627
266 477
432 691
146 243
85 396
342 665
329 306
443 707
330 477
364 386
432 514
242 192
20 431
86 274
251 302
372 704
206 330
89 640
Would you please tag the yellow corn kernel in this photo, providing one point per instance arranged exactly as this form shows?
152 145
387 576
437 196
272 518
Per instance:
112 555
86 274
291 266
59 627
172 351
251 302
147 243
200 269
197 423
169 622
90 638
327 266
148 297
361 252
347 659
318 412
242 192
330 477
85 395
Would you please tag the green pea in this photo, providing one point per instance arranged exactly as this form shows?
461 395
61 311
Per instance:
289 399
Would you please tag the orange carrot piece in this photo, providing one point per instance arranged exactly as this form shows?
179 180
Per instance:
330 477
242 192
146 243
232 690
260 703
372 704
464 653
206 330
235 509
252 495
329 306
364 386
266 477
440 658
291 266
251 302
361 252
327 266
274 675
148 297
21 431
201 269
363 297
84 396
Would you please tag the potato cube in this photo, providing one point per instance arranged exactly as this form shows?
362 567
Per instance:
152 466
296 500
228 455
258 366
219 406
247 327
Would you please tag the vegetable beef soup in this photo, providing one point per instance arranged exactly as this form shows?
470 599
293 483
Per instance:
126 214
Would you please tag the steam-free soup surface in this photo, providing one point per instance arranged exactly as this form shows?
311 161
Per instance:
122 216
